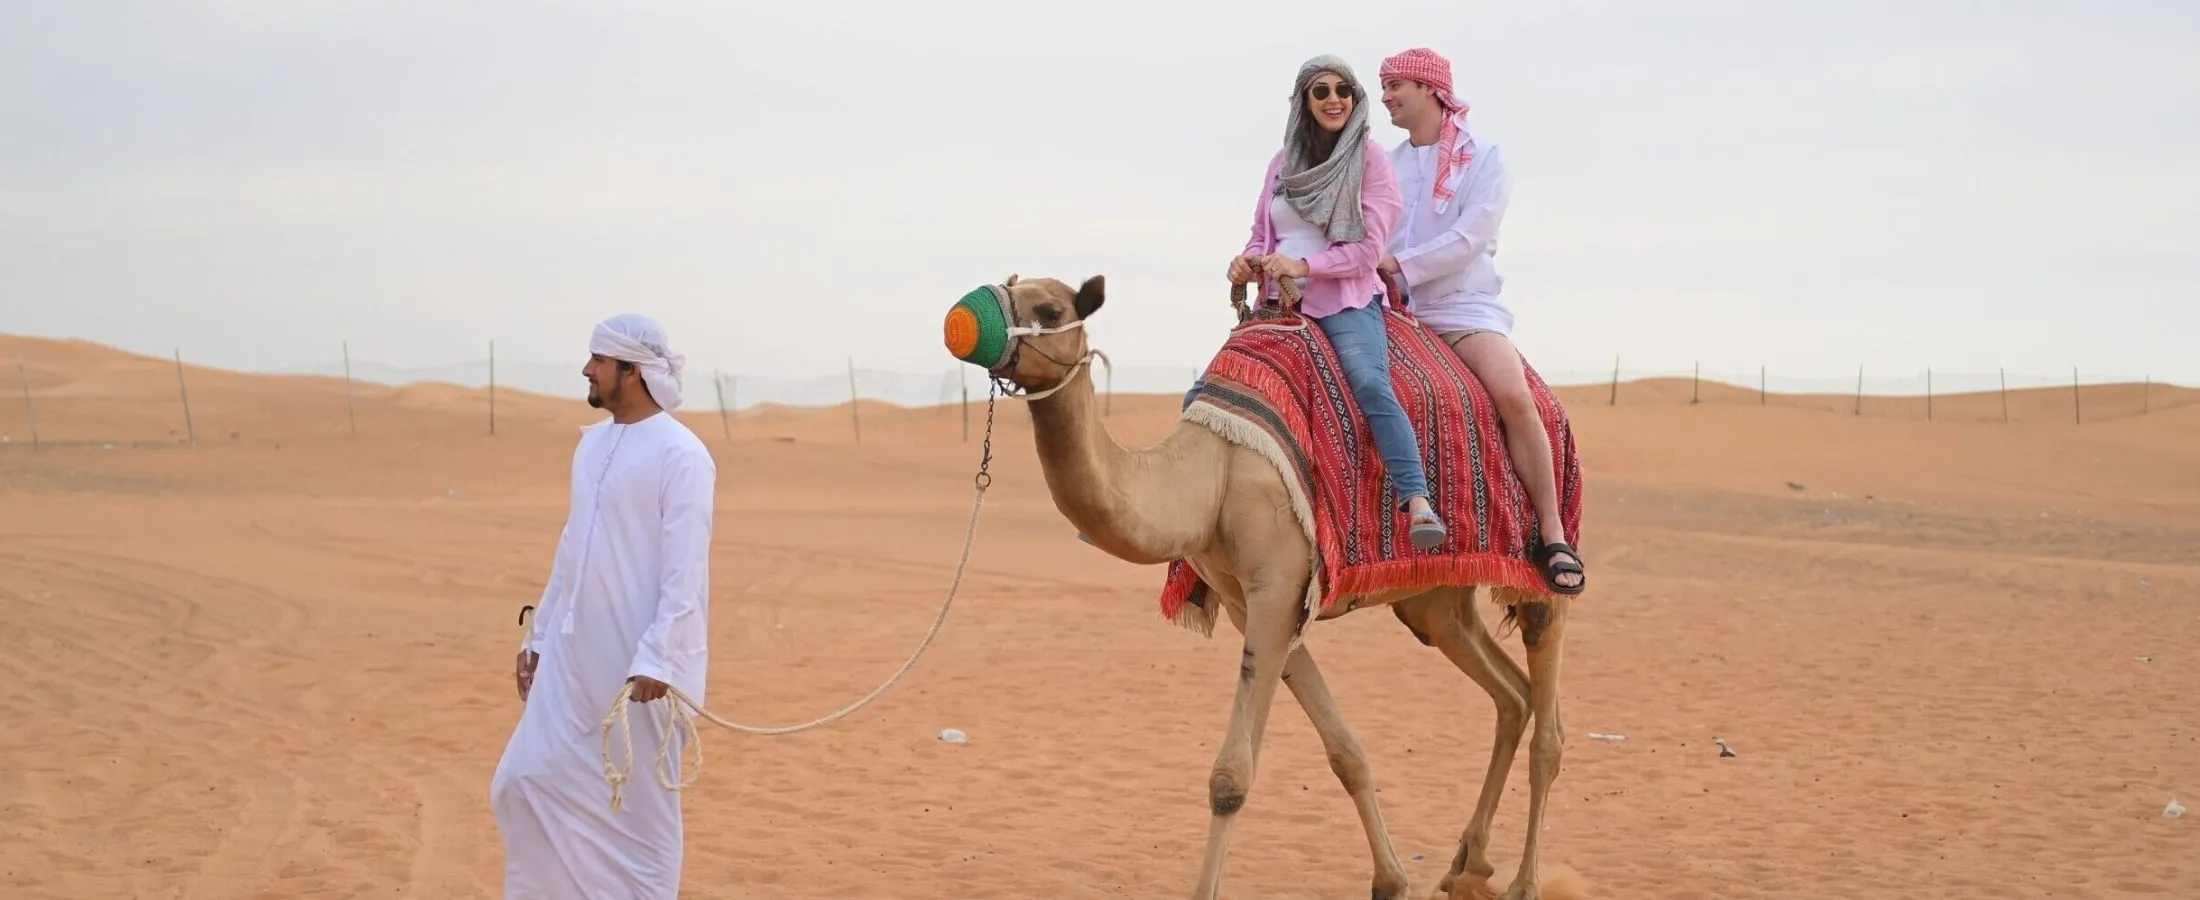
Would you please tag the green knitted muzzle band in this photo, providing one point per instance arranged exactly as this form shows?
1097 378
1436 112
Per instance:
977 328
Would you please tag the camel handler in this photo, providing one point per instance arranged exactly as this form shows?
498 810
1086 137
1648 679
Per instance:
1445 250
628 601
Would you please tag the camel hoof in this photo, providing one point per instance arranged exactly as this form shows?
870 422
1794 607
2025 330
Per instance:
1464 887
1394 891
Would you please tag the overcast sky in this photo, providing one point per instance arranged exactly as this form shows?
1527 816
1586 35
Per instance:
1813 185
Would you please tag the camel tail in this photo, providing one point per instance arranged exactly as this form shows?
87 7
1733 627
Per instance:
1510 622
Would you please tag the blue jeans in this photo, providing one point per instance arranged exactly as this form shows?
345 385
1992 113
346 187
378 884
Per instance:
1363 349
1362 342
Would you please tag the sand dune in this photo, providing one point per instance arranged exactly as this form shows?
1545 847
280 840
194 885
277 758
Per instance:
1956 657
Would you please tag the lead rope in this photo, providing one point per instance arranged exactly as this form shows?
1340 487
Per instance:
681 717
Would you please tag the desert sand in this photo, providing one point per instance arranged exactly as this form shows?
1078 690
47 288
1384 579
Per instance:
1955 659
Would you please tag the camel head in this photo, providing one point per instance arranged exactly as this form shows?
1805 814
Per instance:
1027 333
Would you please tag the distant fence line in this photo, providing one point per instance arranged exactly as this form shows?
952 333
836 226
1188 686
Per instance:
951 384
1929 394
1914 395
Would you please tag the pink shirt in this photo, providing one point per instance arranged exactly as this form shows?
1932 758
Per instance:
1343 276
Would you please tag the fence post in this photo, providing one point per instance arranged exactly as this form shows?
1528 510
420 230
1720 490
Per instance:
492 387
1760 385
1859 390
855 401
351 409
962 380
1615 382
1695 386
2004 396
189 430
23 374
1928 393
2077 398
718 382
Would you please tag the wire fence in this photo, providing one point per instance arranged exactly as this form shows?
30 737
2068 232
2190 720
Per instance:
2076 397
141 401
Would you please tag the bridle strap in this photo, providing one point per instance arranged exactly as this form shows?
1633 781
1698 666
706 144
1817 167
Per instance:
1017 334
1090 355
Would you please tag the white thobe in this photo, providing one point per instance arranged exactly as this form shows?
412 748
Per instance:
1448 259
628 595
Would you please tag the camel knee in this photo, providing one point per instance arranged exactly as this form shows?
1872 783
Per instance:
1352 768
1545 752
1512 714
1224 794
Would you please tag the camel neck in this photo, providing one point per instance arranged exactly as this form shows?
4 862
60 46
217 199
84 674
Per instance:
1077 453
1142 506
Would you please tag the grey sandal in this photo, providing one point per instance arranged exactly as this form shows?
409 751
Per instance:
1428 531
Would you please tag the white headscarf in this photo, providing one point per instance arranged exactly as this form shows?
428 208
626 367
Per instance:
1326 192
638 339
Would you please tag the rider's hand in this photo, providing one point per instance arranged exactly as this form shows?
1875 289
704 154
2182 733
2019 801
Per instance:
1389 265
523 671
1278 265
1241 269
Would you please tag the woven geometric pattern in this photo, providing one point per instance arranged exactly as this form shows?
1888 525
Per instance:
977 329
1276 386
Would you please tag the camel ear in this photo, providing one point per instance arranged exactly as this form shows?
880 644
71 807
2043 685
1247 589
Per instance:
1090 295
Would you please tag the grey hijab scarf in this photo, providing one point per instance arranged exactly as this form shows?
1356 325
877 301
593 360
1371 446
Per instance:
1326 192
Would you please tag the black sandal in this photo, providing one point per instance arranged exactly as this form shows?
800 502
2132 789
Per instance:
1545 554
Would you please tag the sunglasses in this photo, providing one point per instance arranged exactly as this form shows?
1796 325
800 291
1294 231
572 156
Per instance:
1322 91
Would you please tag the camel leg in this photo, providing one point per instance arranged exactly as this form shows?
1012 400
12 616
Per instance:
1271 611
1453 623
1349 760
1543 629
1346 758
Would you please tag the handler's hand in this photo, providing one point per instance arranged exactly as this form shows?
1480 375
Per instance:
645 688
1389 265
523 671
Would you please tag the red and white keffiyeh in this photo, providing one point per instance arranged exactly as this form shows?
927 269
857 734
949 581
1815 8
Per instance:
1452 151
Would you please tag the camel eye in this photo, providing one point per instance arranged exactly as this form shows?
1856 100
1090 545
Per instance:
1050 314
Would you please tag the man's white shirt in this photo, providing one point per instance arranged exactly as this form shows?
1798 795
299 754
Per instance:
1448 259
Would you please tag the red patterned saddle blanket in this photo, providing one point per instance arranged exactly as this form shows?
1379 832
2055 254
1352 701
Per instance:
1276 386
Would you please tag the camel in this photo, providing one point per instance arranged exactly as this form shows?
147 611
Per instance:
1226 510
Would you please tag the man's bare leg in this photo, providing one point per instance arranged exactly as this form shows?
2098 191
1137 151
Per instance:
1494 362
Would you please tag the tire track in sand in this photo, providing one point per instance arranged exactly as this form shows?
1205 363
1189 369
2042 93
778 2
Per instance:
146 630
